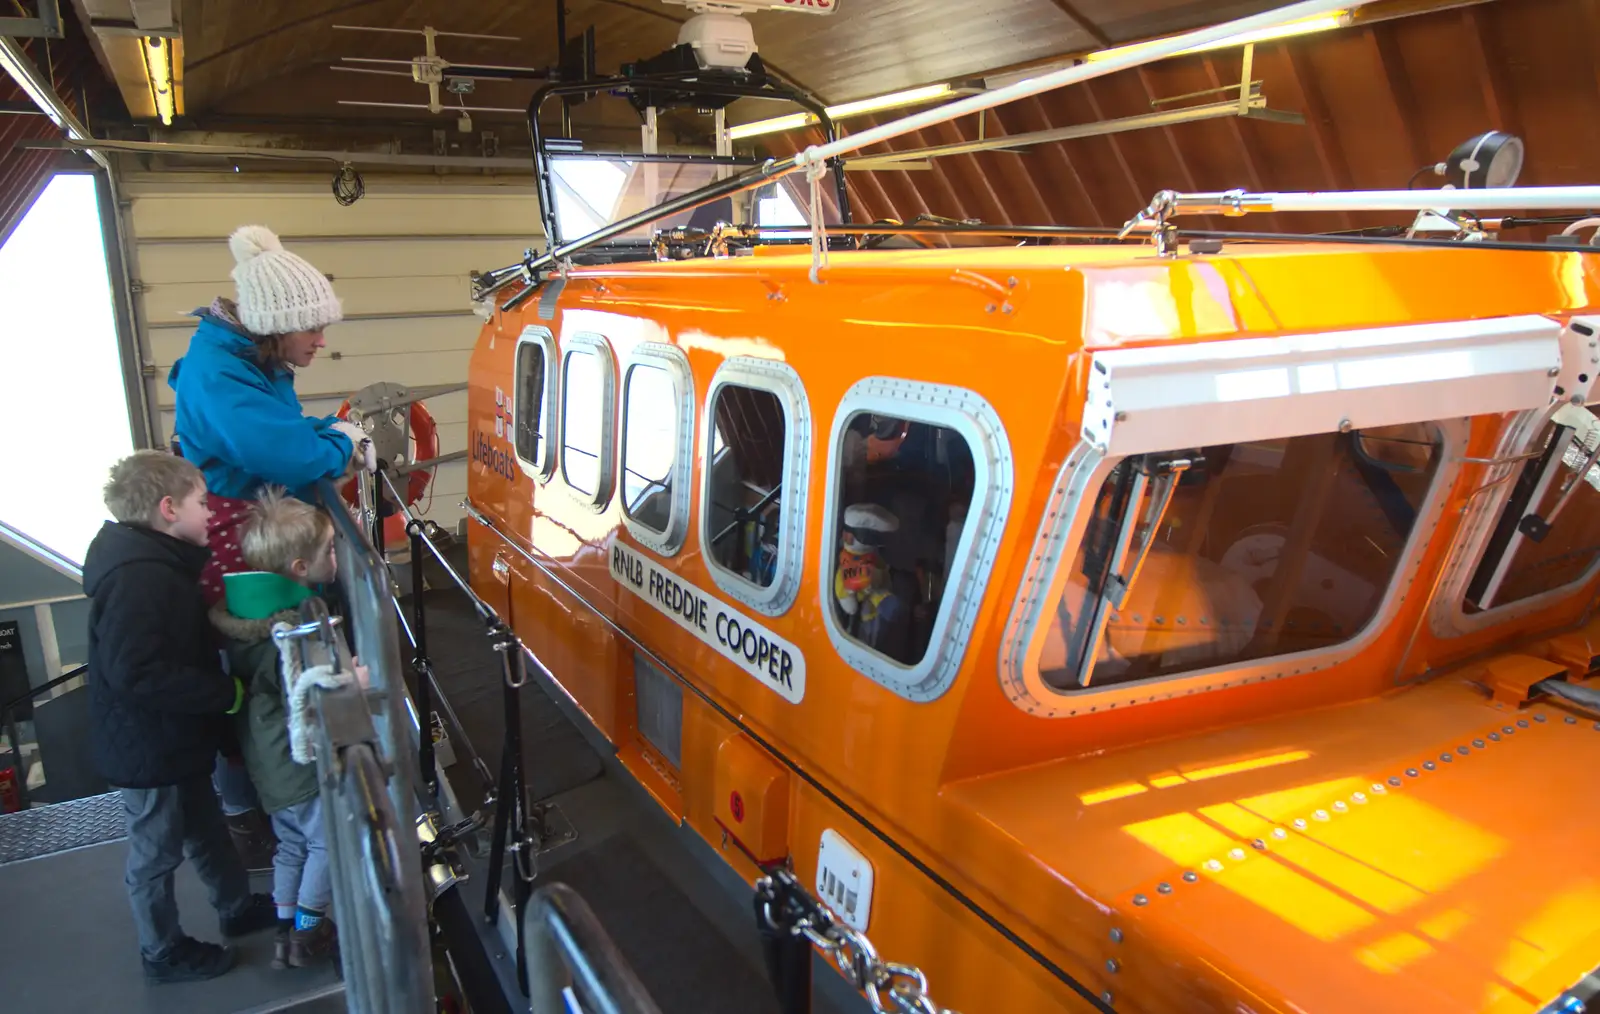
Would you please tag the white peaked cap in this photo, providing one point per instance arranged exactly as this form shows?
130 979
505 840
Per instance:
278 291
870 522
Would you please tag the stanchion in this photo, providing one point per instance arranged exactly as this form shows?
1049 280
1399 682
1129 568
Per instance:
422 664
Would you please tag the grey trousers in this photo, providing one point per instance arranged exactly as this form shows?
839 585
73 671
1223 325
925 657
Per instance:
300 874
165 826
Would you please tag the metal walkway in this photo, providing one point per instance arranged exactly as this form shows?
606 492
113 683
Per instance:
67 942
682 920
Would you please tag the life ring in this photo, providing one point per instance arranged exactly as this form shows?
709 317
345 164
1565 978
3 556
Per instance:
424 446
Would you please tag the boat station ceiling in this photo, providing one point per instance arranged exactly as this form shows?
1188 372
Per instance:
1363 105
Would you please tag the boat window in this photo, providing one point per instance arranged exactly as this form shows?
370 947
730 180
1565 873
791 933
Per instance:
649 445
657 445
1548 535
1217 555
586 409
745 507
902 498
531 402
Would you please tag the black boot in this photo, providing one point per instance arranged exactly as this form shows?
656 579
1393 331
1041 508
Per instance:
253 837
190 961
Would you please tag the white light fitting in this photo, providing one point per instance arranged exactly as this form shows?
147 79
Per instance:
859 107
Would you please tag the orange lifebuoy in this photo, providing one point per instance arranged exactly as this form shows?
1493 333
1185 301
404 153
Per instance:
424 446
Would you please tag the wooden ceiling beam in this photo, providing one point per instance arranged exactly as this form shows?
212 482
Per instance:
1077 17
974 178
1185 174
1252 172
1386 56
1335 170
1057 153
1013 169
937 180
909 201
1140 198
1496 92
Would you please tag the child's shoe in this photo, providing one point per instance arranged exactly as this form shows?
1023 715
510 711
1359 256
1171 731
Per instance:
190 961
313 946
280 946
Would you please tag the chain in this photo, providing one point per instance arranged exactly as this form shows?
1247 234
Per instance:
890 987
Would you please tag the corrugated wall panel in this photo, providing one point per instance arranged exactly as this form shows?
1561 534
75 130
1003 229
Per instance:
400 260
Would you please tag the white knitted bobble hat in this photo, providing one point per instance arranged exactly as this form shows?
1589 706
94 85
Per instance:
278 291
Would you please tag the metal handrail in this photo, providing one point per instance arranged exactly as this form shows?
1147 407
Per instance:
8 718
568 953
9 706
367 766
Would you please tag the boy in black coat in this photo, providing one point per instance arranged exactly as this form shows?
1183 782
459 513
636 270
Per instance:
159 705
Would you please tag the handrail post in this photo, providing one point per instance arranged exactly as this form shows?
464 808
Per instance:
422 663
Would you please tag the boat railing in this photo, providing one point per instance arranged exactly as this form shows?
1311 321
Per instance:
366 750
571 959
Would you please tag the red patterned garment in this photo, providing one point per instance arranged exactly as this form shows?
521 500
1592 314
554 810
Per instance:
228 517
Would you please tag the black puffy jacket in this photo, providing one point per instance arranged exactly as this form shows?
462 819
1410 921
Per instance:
158 698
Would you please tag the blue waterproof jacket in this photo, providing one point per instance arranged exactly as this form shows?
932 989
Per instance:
243 427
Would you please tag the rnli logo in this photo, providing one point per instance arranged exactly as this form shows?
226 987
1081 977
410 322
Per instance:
495 459
772 661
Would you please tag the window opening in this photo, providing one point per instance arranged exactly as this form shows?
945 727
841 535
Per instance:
744 511
1548 535
649 445
1223 554
904 492
531 405
62 352
582 421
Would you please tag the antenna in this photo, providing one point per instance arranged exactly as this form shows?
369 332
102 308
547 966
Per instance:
433 70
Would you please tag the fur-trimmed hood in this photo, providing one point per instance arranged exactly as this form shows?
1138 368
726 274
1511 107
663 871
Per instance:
249 631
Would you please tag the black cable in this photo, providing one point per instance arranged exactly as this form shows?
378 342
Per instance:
348 186
1412 182
1587 698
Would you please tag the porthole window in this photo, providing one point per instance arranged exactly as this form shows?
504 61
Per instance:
657 443
757 440
587 410
919 485
533 402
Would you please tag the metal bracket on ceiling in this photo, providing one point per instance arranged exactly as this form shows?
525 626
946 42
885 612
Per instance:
46 25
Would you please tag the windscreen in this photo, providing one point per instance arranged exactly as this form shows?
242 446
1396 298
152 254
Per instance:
1219 555
591 193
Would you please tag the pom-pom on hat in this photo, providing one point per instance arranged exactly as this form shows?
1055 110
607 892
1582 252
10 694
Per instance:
278 291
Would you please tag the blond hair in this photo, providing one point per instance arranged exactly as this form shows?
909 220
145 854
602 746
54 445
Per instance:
139 483
282 530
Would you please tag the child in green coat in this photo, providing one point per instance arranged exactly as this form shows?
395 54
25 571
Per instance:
289 545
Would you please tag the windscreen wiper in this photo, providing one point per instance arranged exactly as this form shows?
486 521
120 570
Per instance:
1579 456
1153 478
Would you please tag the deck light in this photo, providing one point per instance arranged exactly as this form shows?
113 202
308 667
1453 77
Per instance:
1492 159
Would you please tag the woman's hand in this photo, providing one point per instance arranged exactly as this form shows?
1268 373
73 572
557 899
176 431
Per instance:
365 454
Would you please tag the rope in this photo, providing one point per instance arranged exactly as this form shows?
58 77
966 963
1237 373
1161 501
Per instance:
819 227
299 682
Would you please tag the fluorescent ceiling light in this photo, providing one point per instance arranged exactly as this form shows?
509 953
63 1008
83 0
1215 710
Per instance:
1304 26
158 67
893 100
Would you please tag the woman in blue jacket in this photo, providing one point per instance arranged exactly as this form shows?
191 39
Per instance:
238 417
239 420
